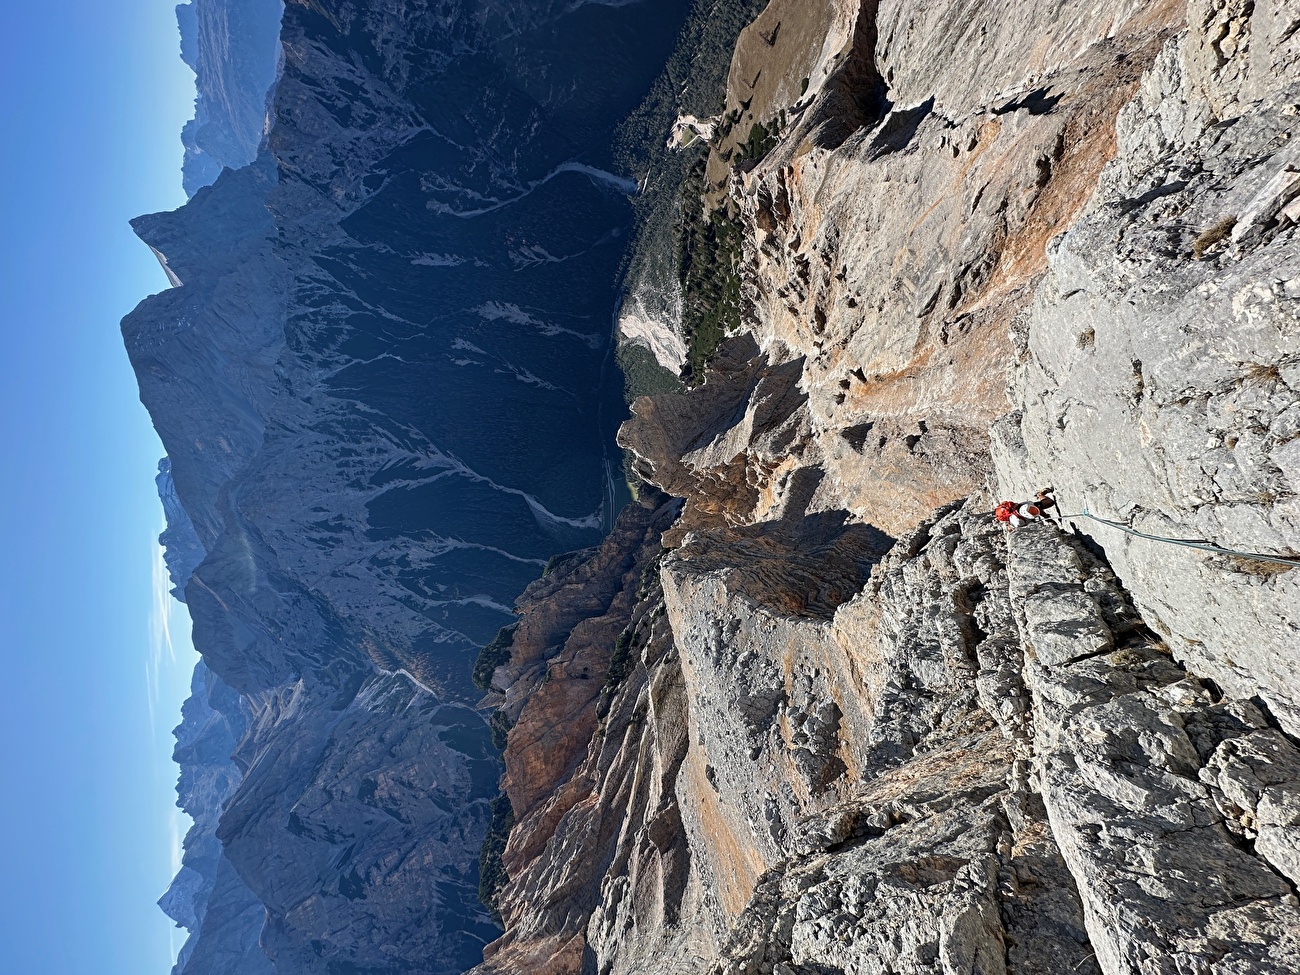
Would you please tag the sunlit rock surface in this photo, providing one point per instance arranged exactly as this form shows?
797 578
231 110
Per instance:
1158 376
804 708
861 728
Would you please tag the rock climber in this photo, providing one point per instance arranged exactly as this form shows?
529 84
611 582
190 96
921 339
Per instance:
1016 514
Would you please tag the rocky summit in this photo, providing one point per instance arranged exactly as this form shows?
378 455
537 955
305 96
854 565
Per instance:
802 706
385 383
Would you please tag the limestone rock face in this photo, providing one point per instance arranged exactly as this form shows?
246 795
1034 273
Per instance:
1076 829
936 855
900 224
982 761
996 246
1158 380
1130 751
594 746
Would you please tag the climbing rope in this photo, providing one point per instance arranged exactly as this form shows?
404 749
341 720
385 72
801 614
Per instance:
1188 542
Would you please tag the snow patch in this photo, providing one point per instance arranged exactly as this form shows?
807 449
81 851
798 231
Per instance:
660 333
495 311
599 176
449 465
437 260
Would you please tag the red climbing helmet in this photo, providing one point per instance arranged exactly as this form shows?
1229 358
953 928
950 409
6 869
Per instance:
1005 510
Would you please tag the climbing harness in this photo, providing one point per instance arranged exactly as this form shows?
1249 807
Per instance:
1188 542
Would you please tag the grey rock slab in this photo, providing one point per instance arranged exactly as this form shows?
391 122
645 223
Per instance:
1163 880
1157 386
1255 782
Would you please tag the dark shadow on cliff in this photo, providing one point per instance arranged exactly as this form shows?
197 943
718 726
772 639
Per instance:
856 95
804 565
1038 102
899 129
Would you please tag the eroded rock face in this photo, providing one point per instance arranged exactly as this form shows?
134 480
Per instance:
1158 383
772 694
592 759
380 377
1023 780
900 224
904 740
1133 754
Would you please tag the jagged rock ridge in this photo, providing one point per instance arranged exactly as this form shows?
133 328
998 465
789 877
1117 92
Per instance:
995 246
382 379
234 50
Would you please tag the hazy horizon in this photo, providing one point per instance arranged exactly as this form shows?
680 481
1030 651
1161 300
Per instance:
95 99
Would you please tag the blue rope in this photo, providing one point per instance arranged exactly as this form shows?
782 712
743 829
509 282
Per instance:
1188 542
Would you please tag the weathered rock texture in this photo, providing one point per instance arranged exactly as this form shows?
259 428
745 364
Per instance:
859 727
982 761
901 224
594 747
1159 367
383 380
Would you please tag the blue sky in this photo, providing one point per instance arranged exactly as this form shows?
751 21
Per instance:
92 98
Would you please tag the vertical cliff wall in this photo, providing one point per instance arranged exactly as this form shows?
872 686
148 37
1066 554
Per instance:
383 382
1185 273
852 725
